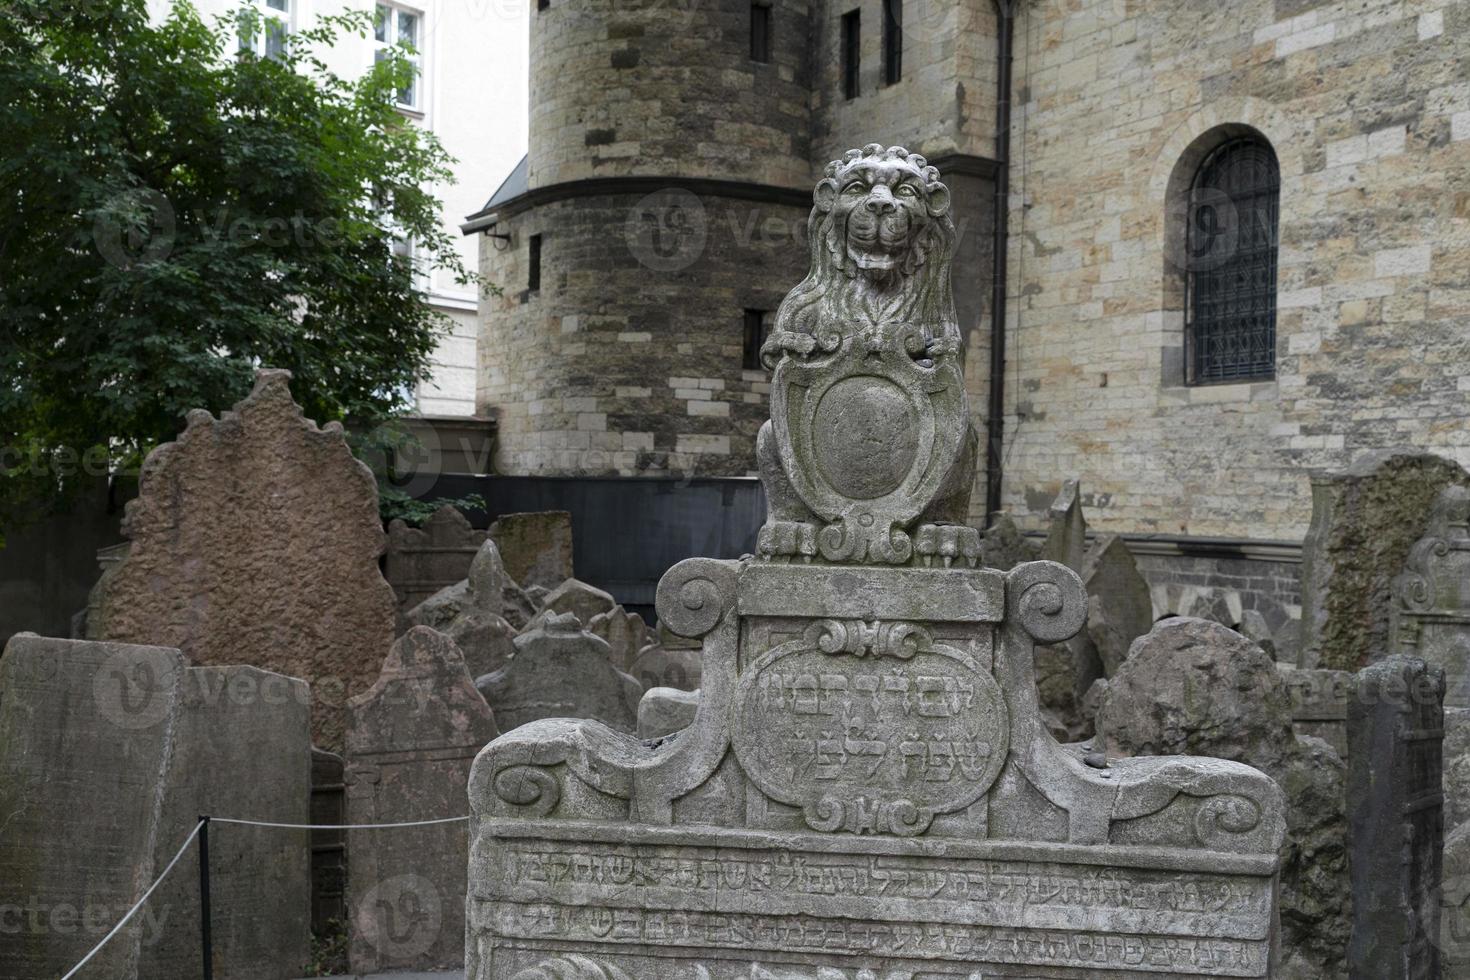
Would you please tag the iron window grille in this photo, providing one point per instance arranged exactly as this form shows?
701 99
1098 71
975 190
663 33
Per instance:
1231 256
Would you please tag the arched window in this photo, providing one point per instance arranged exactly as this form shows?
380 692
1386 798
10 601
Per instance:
1230 306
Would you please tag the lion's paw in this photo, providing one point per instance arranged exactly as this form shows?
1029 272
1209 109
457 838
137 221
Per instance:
787 540
946 544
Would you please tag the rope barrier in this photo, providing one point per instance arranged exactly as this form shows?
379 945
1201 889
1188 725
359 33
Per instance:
132 911
204 821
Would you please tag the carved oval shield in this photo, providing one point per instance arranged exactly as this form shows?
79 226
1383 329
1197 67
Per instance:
869 727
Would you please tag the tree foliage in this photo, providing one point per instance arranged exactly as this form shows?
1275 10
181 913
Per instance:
179 212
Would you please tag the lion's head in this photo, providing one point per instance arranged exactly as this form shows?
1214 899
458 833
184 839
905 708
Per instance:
881 244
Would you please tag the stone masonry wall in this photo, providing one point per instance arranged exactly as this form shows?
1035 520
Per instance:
1367 105
627 361
665 88
945 99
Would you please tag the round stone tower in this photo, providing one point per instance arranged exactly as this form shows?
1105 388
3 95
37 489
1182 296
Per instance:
658 221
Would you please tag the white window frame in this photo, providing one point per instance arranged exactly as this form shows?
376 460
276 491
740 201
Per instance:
386 34
268 14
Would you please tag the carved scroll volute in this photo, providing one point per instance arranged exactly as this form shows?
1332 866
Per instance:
695 599
1047 600
1047 603
695 595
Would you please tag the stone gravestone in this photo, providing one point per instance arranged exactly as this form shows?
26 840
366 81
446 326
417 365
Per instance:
86 732
1395 819
561 671
255 540
1191 686
1431 609
866 790
537 547
1365 521
1319 703
1066 538
242 749
410 743
626 634
487 595
422 560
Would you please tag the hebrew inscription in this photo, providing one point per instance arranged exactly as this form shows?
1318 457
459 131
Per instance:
870 727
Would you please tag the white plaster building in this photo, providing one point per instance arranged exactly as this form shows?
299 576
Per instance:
468 50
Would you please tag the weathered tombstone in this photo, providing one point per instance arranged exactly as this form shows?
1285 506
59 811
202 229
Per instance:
328 844
668 664
422 560
1395 819
537 547
1003 546
1431 608
1319 703
561 671
487 594
242 749
626 635
576 597
1454 904
255 540
86 733
1365 521
1066 538
410 743
866 790
1195 686
665 710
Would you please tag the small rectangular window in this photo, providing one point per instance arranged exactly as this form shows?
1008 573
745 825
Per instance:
851 52
542 5
272 28
892 41
533 274
760 32
392 27
755 336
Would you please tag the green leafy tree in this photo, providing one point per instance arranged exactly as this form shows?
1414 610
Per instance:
178 211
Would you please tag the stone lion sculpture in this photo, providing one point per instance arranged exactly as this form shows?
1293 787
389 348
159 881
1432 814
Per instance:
882 240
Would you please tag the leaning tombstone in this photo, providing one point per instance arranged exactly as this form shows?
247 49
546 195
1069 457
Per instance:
1066 536
487 593
574 596
666 710
626 634
1395 819
420 561
1431 601
537 547
86 733
254 539
561 671
410 743
242 749
866 790
1319 703
1365 521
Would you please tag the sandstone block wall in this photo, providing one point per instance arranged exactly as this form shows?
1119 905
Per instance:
627 360
943 103
1366 105
660 88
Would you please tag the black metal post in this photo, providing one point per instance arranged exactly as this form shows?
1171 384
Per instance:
205 939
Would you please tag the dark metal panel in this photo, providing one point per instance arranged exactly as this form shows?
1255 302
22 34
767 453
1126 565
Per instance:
627 532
